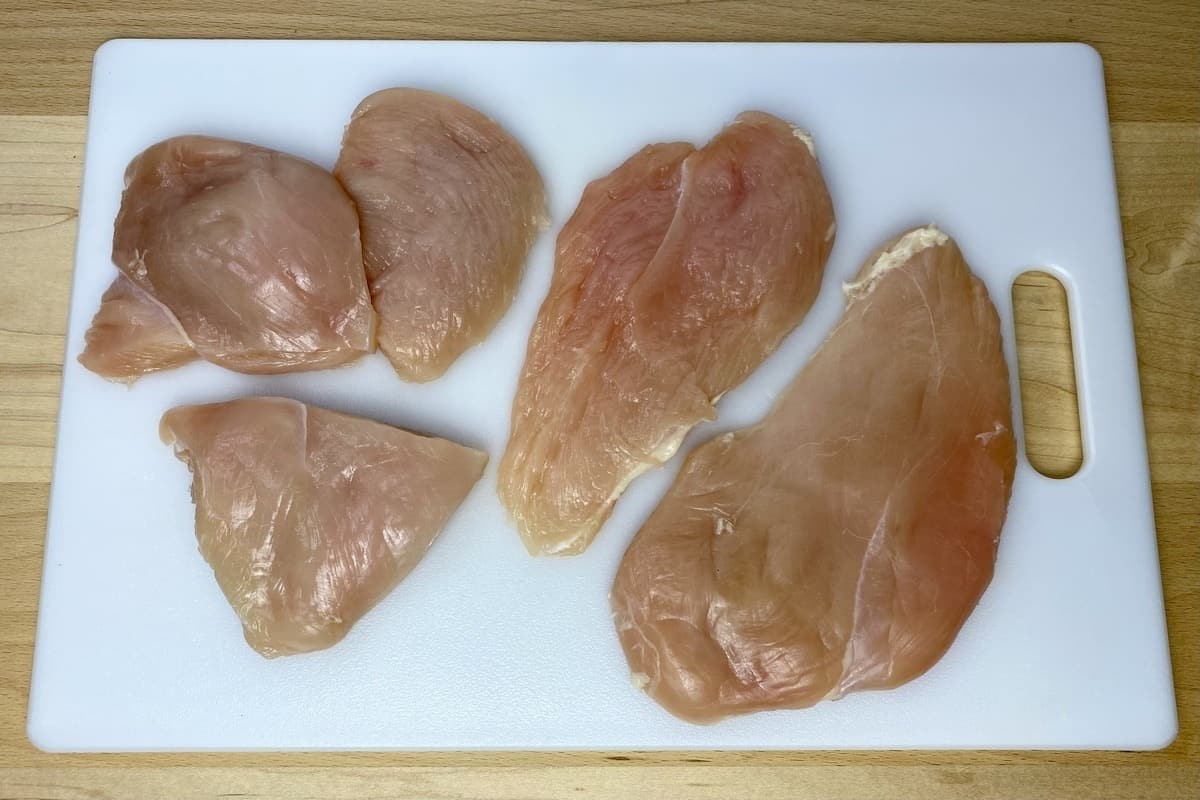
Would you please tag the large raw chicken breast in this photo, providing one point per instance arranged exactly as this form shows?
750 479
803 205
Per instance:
677 275
841 543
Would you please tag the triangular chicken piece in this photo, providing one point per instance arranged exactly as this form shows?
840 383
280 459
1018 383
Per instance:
841 543
310 517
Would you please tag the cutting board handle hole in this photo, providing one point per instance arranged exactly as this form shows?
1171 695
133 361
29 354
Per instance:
1046 362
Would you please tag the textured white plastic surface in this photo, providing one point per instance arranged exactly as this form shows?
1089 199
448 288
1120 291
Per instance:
1006 147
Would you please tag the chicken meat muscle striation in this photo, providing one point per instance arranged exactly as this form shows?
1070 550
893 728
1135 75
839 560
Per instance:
449 204
133 334
840 544
676 276
247 257
309 517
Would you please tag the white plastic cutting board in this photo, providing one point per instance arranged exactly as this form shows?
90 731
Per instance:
1006 147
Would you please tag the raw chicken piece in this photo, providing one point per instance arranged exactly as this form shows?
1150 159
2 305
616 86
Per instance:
450 205
254 253
309 517
132 334
677 275
839 544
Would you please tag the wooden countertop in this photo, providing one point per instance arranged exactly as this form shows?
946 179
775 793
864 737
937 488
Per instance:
1152 62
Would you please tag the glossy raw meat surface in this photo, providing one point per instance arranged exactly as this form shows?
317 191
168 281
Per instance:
133 334
450 205
253 253
841 543
309 517
677 275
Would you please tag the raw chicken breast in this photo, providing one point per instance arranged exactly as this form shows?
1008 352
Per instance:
450 205
132 334
309 517
252 254
839 544
677 275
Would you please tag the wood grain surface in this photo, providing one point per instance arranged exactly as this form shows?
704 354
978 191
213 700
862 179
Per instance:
1152 62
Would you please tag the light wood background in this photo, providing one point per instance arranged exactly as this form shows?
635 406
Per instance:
1152 62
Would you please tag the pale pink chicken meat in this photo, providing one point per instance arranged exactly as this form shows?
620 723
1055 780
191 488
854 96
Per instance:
676 276
249 256
310 517
133 334
840 544
450 205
